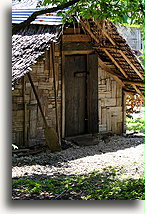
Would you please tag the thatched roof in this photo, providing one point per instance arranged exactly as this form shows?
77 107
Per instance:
28 45
115 55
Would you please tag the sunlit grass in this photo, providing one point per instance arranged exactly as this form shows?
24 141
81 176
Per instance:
134 124
96 185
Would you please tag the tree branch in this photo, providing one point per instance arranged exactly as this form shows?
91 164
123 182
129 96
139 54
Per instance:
31 18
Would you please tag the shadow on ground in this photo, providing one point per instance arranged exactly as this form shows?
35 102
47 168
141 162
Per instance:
73 152
92 186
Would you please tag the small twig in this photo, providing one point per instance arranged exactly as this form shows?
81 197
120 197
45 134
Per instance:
60 194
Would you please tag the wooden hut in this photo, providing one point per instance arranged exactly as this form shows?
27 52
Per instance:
81 74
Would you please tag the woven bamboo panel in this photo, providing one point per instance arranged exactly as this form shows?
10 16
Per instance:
26 115
110 103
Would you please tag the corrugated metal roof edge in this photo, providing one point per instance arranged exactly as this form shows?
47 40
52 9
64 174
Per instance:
20 15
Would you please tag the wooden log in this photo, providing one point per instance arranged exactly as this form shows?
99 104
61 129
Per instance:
108 119
110 102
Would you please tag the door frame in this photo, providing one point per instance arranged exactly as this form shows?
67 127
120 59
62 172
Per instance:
65 53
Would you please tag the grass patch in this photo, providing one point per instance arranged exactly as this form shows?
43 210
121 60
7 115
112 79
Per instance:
135 125
97 185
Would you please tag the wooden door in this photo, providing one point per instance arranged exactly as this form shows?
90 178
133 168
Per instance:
80 90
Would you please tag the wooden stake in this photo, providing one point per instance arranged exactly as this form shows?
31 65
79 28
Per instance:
55 93
25 114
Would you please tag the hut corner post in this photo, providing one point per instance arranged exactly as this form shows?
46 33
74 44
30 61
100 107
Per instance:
55 93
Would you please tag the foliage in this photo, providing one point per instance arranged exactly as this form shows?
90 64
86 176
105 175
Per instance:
97 185
134 103
122 11
135 125
141 56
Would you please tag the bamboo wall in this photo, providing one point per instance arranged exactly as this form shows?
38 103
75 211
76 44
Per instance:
110 103
28 126
27 123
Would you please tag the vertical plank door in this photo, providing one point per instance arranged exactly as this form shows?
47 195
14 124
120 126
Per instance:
75 95
92 93
81 94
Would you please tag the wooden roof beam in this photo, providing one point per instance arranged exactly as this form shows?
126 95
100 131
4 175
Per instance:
124 56
89 31
105 67
137 90
116 63
76 38
130 63
133 82
94 37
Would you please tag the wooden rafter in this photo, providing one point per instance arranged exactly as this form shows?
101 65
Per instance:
89 31
105 67
109 55
129 91
112 58
115 62
130 63
133 82
123 55
137 90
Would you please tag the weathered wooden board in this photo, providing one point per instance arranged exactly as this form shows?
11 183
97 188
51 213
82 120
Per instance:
76 46
75 95
72 31
76 38
93 118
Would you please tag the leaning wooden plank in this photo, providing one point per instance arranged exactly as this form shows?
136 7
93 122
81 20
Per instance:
50 134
